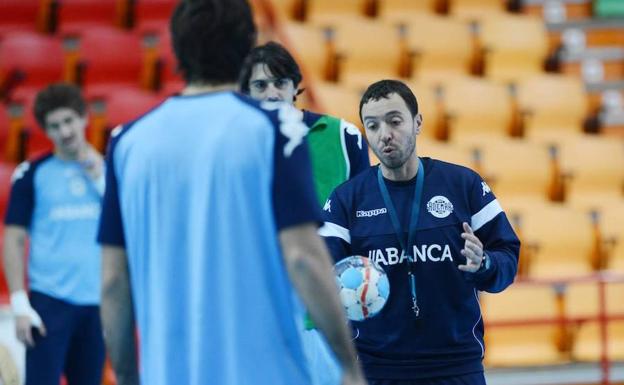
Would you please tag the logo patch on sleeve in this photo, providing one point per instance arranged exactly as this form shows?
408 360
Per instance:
439 206
486 188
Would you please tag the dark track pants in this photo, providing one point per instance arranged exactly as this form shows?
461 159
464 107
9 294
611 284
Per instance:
73 345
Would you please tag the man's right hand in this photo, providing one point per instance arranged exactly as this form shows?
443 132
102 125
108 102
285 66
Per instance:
24 326
26 318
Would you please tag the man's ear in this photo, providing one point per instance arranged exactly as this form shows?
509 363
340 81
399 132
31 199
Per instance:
418 119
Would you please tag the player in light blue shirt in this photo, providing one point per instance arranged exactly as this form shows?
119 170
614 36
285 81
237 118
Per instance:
55 202
209 227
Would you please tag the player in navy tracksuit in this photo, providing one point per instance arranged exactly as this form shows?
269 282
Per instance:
440 235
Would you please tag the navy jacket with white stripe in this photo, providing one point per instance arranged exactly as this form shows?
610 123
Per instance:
447 337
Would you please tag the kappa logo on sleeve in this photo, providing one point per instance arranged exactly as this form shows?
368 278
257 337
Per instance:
352 130
327 206
116 131
20 171
486 188
291 124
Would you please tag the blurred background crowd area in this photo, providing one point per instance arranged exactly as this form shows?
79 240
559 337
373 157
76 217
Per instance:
530 93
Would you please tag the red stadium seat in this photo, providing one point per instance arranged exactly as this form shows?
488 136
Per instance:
29 59
122 105
36 141
153 14
75 16
19 15
160 61
111 107
109 55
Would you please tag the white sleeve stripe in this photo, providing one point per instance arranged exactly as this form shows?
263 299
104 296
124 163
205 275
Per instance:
486 214
333 230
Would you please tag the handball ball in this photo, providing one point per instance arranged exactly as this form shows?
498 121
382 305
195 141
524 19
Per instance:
364 287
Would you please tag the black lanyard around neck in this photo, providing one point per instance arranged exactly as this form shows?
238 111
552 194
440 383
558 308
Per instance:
411 233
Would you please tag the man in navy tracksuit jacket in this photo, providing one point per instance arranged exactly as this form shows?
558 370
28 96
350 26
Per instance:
441 236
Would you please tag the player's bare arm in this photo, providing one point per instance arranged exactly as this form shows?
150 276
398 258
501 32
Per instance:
25 317
118 315
309 267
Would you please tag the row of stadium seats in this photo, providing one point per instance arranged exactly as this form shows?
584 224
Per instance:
68 16
33 60
534 341
75 16
348 48
467 9
359 49
541 107
572 170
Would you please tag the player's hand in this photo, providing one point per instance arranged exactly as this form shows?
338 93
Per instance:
92 162
473 250
23 328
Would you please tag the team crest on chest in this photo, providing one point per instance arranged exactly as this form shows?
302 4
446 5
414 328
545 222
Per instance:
439 206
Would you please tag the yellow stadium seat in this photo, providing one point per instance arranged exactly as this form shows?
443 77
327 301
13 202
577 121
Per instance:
476 9
587 346
562 238
595 165
367 49
610 226
521 345
440 46
323 10
616 262
445 151
338 101
552 105
429 107
585 303
504 163
582 300
514 46
398 9
309 46
288 9
477 107
615 293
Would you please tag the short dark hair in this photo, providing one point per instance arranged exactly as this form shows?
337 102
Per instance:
383 89
277 58
211 39
55 96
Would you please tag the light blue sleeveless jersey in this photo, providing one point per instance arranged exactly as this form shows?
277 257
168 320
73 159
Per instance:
199 188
